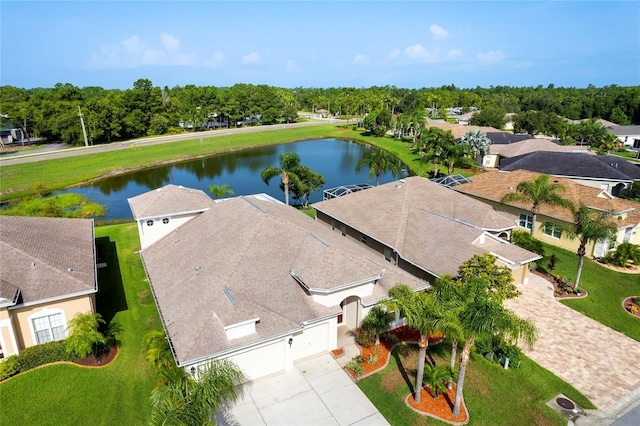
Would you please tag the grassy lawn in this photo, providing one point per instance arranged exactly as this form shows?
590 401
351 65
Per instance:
493 396
606 290
117 394
18 180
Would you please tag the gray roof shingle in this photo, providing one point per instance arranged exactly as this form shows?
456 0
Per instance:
169 200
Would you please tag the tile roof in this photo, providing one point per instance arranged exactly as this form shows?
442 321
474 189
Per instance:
46 258
527 146
494 185
571 164
168 200
251 247
429 225
458 129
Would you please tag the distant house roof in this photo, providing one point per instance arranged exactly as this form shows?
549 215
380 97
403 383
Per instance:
573 164
417 215
168 200
46 259
527 146
625 130
458 130
604 122
494 185
506 137
248 258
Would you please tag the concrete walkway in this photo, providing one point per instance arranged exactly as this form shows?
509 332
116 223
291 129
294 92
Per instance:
601 363
316 392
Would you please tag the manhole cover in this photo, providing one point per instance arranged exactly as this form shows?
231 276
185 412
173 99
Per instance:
565 403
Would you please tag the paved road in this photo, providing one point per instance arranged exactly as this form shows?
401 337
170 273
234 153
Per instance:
73 152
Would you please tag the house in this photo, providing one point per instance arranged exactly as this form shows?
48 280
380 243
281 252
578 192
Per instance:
9 136
253 280
48 275
610 173
628 135
458 129
525 145
491 186
424 228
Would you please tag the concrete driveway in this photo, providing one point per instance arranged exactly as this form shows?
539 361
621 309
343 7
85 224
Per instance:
316 392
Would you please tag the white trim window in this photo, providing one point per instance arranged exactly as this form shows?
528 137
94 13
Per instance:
48 326
526 221
553 231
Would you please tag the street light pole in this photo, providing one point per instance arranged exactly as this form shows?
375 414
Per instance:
84 131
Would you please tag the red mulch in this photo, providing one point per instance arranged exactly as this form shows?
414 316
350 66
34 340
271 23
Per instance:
337 352
441 407
103 360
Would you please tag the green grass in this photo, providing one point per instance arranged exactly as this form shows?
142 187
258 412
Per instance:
493 396
18 180
116 394
65 205
607 289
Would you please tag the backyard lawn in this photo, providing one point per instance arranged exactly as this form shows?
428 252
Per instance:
607 289
116 394
493 396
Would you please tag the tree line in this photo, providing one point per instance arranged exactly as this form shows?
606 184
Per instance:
112 114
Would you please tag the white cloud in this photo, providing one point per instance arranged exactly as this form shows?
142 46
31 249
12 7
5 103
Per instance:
251 58
135 52
438 32
419 53
216 60
393 54
290 65
491 56
361 59
454 53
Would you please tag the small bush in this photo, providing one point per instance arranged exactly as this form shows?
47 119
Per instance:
390 337
356 367
364 337
9 367
372 359
35 356
527 241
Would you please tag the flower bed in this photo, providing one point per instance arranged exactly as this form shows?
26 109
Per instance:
441 408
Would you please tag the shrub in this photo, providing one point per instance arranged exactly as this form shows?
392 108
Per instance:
35 356
356 367
372 359
390 337
624 253
9 367
525 240
364 337
84 337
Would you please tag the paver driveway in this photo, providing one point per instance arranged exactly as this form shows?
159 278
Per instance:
598 361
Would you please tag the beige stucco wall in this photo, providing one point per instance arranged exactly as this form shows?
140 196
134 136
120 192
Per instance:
20 316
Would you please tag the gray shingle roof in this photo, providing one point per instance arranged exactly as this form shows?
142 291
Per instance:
572 164
624 130
532 145
168 200
46 258
251 247
501 138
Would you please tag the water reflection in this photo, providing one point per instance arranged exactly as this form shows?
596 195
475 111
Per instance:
334 159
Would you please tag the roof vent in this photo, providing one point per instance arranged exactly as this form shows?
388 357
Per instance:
33 263
159 190
197 269
320 239
229 296
69 269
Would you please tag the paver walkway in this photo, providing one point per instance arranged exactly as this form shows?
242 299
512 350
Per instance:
598 361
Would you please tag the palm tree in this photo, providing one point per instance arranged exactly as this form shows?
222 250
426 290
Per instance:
377 321
453 154
421 311
157 351
479 143
418 120
84 336
379 161
436 378
538 192
220 191
589 226
486 317
183 399
288 162
438 144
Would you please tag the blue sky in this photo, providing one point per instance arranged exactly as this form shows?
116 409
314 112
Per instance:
320 43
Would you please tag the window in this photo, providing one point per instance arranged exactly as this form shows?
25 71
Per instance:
526 221
612 245
48 328
150 222
165 220
552 230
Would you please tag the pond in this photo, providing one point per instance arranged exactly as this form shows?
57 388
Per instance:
335 159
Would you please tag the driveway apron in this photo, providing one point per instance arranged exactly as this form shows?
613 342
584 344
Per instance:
598 361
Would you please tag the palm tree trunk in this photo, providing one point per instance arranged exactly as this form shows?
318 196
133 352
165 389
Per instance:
285 182
378 178
452 362
422 354
464 360
533 222
580 264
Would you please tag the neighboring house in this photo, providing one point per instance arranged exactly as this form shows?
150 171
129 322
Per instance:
426 229
458 129
628 135
47 276
464 119
10 135
490 187
610 173
253 280
500 151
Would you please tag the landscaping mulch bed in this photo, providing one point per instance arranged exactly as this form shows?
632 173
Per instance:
441 408
104 359
560 291
629 303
